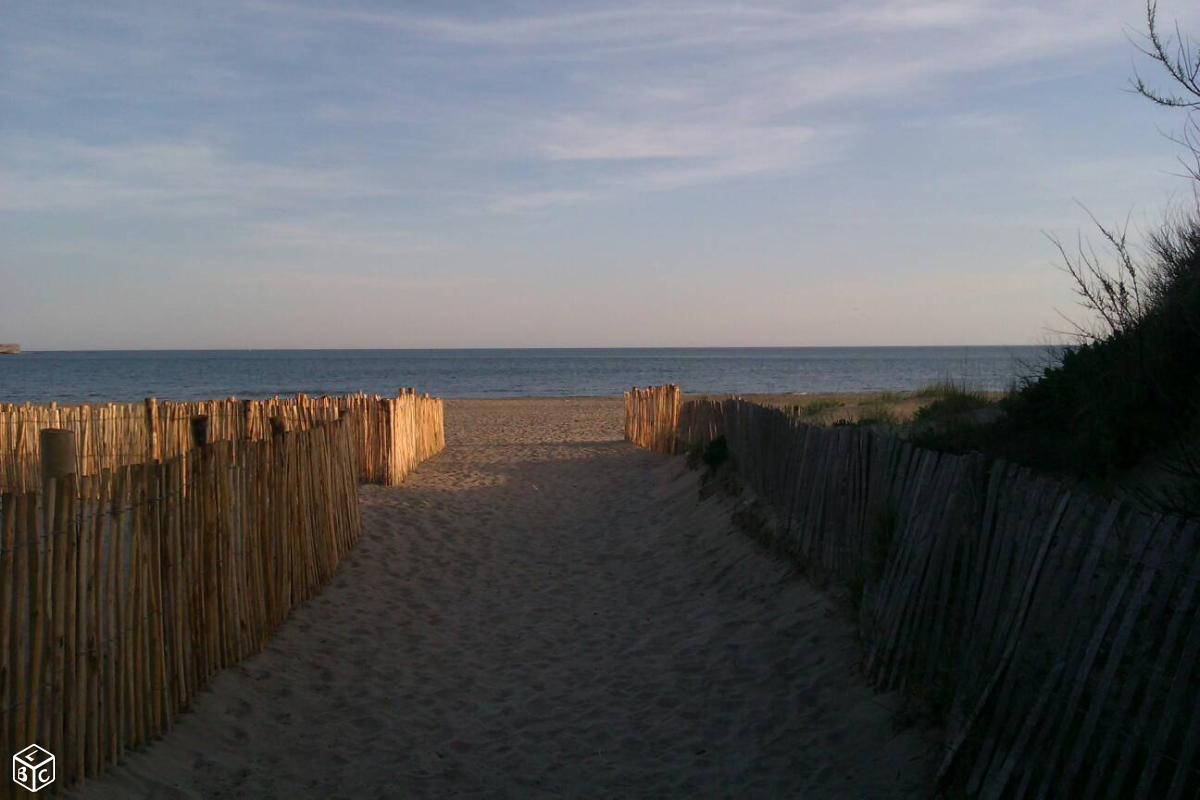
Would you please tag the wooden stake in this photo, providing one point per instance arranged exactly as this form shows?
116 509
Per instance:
57 447
152 447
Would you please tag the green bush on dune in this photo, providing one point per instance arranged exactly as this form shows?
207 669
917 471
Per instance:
1122 405
1130 394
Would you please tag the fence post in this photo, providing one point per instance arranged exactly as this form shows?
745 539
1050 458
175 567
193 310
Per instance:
58 453
389 442
247 416
200 430
277 428
49 608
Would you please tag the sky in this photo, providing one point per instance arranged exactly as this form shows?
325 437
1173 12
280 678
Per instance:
512 174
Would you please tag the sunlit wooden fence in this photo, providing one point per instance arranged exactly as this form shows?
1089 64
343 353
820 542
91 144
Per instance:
145 546
124 591
1059 633
652 417
390 435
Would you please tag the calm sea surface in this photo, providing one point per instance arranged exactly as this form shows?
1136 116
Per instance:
195 374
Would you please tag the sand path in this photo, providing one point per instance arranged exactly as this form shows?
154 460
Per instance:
543 611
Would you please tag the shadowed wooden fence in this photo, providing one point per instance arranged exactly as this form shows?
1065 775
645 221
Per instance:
1057 632
390 435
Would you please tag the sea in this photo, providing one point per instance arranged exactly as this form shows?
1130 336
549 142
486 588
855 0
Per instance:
99 376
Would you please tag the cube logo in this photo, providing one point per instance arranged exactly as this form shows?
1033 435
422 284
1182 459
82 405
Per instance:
33 768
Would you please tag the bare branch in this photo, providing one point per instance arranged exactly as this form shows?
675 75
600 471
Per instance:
1182 65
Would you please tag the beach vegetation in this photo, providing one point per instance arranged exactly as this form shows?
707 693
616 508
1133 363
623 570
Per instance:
950 399
889 398
716 453
816 408
870 418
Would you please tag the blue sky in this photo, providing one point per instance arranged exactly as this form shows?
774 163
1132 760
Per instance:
273 174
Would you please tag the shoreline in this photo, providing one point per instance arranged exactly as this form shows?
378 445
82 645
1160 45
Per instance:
130 376
770 397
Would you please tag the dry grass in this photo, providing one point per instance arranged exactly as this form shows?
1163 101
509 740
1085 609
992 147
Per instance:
895 408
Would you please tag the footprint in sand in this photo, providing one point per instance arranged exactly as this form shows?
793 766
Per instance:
368 724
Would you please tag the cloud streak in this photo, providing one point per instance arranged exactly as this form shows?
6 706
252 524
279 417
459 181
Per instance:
189 178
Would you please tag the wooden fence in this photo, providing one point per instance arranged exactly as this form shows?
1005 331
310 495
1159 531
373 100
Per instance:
652 417
390 435
123 592
1059 633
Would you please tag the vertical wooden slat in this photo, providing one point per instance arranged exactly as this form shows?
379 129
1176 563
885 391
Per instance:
115 658
40 556
27 543
76 707
10 628
96 629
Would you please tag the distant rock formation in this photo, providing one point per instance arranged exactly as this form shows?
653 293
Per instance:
9 349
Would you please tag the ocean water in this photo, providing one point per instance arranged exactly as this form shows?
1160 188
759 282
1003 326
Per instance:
72 377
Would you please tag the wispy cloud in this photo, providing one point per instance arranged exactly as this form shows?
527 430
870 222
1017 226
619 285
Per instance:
576 139
341 235
660 25
162 178
715 93
521 202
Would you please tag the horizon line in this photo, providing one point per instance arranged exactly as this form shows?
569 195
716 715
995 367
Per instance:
549 347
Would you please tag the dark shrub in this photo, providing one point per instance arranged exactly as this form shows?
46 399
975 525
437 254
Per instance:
716 453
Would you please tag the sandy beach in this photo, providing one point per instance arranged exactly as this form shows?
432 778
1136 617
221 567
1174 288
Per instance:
545 611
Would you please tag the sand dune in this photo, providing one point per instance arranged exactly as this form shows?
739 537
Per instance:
544 611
